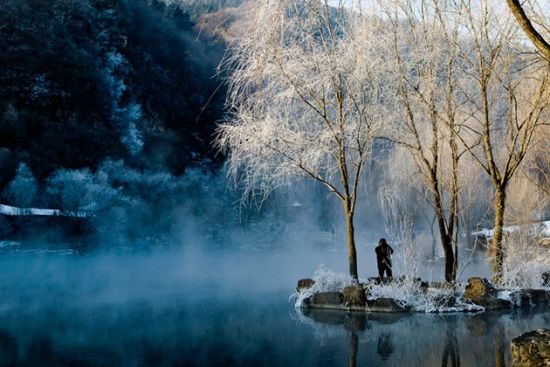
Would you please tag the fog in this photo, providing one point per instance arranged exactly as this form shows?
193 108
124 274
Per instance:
152 234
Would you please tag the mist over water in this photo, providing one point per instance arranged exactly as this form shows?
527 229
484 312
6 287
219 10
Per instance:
187 276
197 307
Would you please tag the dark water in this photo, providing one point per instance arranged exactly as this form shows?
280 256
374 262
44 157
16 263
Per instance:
82 312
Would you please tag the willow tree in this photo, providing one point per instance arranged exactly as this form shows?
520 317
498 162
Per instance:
508 98
304 99
422 42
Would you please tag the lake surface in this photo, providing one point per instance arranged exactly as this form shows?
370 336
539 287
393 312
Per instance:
147 311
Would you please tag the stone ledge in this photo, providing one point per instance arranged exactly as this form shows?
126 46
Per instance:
479 291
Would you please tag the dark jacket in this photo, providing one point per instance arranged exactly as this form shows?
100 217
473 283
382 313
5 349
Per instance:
383 253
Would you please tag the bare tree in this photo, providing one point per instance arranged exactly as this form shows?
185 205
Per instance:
508 101
305 100
423 43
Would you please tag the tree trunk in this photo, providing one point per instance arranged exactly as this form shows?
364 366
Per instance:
352 253
451 351
496 243
446 240
450 272
540 43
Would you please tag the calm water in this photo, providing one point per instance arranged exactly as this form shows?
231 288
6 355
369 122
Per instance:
147 312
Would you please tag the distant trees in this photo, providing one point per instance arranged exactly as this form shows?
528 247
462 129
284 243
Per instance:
306 101
86 80
22 190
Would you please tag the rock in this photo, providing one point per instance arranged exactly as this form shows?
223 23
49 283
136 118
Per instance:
546 279
493 303
385 305
530 297
304 284
478 289
326 299
539 296
531 349
354 295
481 292
520 298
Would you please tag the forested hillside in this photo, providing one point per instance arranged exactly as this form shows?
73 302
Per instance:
108 108
88 80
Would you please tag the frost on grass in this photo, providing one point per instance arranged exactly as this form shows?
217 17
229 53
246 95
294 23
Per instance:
406 293
326 280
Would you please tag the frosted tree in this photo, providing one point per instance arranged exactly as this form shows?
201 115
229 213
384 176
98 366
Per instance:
508 98
305 97
422 41
21 191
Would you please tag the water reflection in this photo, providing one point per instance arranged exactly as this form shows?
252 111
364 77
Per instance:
446 340
385 346
451 353
354 345
82 312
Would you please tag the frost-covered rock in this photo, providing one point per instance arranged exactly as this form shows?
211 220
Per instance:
479 289
305 283
526 297
531 349
482 293
354 295
326 299
324 280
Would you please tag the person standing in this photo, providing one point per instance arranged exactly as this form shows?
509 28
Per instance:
383 259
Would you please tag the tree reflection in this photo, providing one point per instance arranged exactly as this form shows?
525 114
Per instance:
451 352
500 357
354 343
385 346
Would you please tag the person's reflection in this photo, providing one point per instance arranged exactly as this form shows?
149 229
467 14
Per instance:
385 346
353 353
451 352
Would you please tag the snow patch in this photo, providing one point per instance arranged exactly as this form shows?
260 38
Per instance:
16 211
541 227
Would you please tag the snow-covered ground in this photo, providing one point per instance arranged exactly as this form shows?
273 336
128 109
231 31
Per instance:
543 227
16 211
